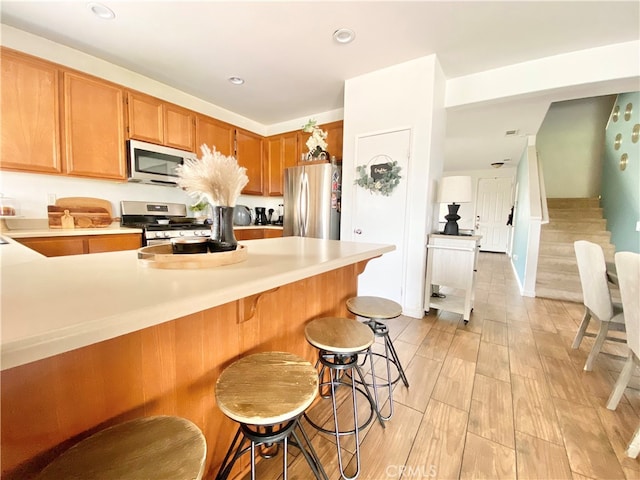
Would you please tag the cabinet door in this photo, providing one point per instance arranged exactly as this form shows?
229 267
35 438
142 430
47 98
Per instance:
249 155
249 233
179 127
145 117
281 153
114 243
30 114
334 140
94 139
55 247
272 233
274 165
214 133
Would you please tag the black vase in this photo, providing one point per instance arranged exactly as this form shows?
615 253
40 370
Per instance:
222 237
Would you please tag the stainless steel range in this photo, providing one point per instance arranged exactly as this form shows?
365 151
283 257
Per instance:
161 221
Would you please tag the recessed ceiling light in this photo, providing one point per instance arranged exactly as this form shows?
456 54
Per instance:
236 80
497 164
344 35
101 11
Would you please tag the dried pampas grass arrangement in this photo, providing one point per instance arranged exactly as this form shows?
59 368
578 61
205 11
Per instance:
215 176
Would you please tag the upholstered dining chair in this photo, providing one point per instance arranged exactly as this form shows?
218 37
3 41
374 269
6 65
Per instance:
596 298
628 270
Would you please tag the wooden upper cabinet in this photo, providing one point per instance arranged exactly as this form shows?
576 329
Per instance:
212 132
249 153
179 126
282 151
94 131
30 112
334 139
145 118
153 120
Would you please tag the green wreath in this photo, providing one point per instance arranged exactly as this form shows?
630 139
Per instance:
387 178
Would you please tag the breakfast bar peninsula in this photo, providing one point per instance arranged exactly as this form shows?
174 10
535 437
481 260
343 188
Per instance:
89 341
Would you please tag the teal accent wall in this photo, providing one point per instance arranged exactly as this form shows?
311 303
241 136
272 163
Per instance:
521 221
621 188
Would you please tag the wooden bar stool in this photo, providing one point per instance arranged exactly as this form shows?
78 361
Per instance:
160 447
340 341
266 393
374 309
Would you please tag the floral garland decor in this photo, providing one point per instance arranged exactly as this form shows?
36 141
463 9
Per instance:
317 142
383 179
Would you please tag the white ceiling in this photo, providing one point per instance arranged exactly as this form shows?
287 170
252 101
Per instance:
292 67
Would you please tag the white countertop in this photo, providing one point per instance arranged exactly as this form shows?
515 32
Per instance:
112 230
72 232
53 305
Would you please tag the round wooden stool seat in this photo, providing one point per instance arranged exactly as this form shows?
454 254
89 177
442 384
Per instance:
374 307
266 393
162 447
338 335
266 388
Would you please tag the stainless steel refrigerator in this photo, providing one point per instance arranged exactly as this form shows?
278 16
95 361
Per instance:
312 201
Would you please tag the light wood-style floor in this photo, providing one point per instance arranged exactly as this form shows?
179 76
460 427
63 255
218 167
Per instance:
502 397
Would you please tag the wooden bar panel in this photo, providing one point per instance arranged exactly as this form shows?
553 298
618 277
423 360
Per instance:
169 369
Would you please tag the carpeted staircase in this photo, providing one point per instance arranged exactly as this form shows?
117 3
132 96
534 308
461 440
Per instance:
570 219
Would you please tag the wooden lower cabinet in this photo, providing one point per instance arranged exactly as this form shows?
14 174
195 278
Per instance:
78 245
256 233
167 369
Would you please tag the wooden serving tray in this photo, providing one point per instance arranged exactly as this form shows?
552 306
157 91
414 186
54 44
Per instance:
162 256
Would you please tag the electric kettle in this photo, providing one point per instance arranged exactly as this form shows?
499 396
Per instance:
261 217
241 215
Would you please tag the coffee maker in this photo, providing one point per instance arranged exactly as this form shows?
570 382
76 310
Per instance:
261 217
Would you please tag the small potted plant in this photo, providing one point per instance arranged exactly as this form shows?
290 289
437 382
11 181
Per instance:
200 210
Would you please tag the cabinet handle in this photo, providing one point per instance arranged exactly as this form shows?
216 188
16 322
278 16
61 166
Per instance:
357 231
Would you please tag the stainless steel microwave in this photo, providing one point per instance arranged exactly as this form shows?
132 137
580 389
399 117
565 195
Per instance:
154 164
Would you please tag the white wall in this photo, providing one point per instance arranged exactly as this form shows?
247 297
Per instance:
408 95
570 145
612 67
32 192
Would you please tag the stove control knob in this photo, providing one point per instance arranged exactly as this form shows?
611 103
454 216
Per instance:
181 234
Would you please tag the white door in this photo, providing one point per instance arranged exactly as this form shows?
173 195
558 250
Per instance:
381 219
493 205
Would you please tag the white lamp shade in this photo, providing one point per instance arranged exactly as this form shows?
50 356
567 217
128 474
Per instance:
455 189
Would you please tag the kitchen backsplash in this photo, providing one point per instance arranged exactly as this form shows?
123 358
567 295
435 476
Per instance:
32 193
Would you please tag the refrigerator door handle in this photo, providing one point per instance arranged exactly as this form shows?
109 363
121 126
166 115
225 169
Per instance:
304 201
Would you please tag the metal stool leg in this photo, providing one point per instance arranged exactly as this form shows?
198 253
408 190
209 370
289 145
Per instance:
339 366
396 360
310 455
256 438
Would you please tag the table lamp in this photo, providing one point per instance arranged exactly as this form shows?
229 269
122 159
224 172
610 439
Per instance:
454 191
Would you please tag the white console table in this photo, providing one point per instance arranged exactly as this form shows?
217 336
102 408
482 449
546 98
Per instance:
451 262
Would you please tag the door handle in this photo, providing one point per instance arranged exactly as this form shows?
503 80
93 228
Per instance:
357 231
